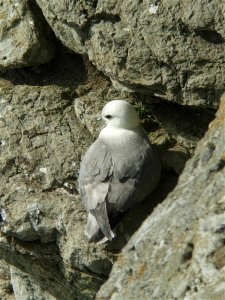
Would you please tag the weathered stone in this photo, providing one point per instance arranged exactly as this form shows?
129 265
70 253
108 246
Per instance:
41 217
22 38
6 290
173 50
178 252
25 288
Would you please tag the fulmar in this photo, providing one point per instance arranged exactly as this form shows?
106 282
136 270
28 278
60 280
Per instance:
118 170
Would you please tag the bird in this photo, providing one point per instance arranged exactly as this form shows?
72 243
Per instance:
117 171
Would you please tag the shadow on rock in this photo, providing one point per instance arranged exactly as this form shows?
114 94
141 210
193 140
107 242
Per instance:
136 216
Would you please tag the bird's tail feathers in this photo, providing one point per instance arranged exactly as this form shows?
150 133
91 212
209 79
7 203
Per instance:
91 228
101 215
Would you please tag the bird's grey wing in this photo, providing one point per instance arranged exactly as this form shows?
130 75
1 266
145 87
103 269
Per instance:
110 184
135 176
96 168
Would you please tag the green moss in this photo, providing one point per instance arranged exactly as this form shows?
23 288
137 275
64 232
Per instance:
142 110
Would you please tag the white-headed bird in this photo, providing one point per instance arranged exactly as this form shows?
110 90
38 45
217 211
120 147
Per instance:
118 170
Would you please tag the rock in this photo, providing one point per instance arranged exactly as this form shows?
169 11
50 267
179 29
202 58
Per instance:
22 38
178 252
172 50
25 288
42 217
48 118
6 290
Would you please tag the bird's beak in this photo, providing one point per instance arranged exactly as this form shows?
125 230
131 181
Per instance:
100 122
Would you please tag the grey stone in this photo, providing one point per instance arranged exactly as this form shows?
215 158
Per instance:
25 288
42 217
22 38
48 119
178 252
6 289
172 50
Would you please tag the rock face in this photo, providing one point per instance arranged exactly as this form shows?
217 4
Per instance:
25 288
22 40
39 166
42 218
168 49
179 251
6 289
168 53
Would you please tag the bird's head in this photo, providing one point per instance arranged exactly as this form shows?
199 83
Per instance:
120 114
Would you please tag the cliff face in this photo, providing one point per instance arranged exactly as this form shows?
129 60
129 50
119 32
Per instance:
179 251
170 49
60 62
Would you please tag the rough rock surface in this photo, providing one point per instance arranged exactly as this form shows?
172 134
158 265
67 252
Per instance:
22 38
25 288
39 166
42 218
169 53
168 49
6 290
179 251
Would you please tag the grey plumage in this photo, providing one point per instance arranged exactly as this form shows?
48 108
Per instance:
118 170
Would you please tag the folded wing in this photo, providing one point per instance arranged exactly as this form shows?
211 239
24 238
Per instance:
112 181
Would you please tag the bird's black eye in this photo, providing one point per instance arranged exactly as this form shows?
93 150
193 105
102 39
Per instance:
108 117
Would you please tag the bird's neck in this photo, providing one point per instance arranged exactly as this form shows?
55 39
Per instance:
118 134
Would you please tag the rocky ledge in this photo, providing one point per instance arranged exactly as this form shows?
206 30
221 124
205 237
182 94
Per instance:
60 62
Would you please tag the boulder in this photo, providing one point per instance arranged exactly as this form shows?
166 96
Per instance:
42 218
179 251
6 289
22 38
172 50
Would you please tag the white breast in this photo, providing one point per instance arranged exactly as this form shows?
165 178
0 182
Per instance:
114 135
122 138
